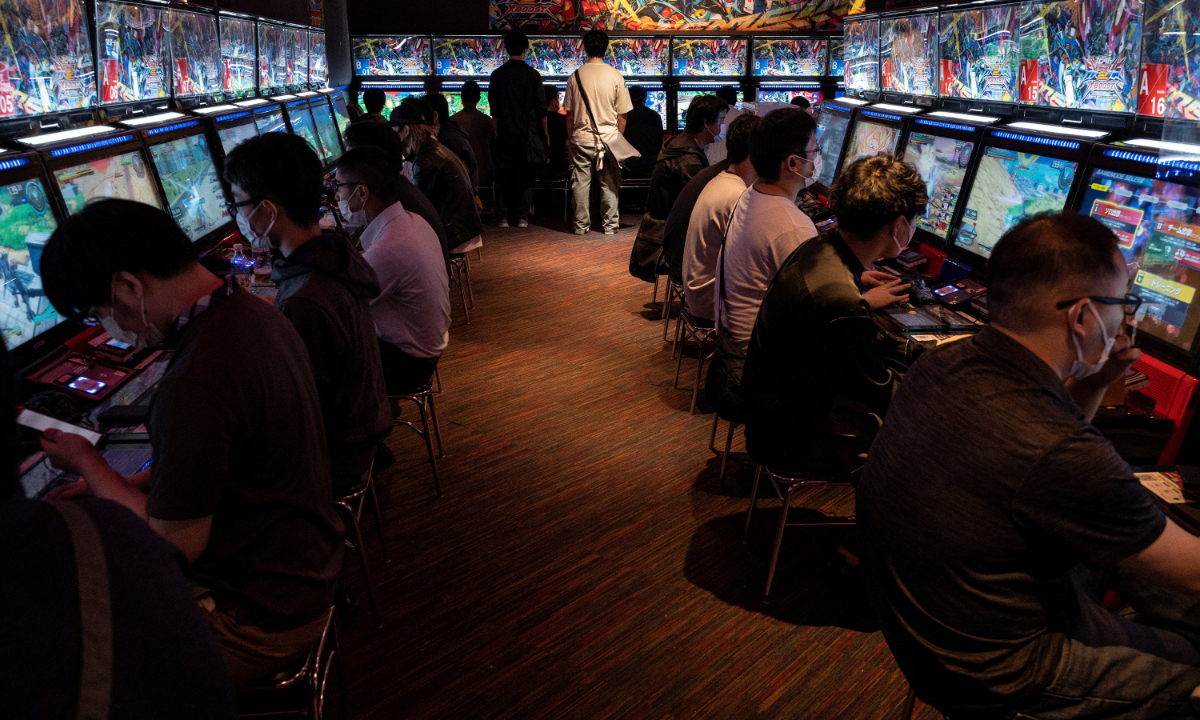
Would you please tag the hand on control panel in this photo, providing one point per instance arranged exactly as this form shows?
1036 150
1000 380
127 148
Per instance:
875 278
890 293
68 451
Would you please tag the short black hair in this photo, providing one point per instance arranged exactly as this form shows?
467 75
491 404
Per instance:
780 134
874 191
104 238
801 102
595 43
551 92
638 95
281 168
372 167
1043 253
737 137
728 93
426 109
516 43
440 105
704 109
378 135
470 93
374 99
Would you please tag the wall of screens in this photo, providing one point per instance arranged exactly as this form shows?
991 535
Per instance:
45 58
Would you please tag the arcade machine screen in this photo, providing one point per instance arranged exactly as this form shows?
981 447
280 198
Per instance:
908 55
195 53
1170 74
862 55
942 162
234 135
1156 224
297 55
639 57
814 97
340 114
45 58
26 223
709 56
190 181
303 125
270 121
393 98
789 57
454 100
1010 185
837 56
979 54
237 56
134 52
831 133
328 132
318 64
556 56
1080 54
869 139
119 176
392 56
282 55
465 57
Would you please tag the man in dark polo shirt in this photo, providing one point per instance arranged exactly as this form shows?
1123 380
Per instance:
240 478
988 495
518 104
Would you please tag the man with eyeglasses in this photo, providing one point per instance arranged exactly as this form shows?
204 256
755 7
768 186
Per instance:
989 500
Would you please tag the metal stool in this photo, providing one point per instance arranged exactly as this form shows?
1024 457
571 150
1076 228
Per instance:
351 506
423 398
674 290
299 689
784 486
460 273
689 326
728 444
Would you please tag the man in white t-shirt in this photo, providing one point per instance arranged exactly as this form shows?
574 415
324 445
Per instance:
767 226
412 312
717 150
609 101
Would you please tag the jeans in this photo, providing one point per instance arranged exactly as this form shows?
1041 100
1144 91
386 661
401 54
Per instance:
513 181
404 373
583 170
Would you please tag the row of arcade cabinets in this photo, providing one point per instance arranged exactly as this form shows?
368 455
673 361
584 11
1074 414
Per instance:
170 160
983 175
672 70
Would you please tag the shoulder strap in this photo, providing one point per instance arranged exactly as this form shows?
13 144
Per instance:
95 613
583 93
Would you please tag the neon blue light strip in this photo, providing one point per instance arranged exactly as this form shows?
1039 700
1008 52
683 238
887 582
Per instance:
1131 156
881 116
1037 140
234 116
14 163
268 108
171 128
394 86
946 125
1182 165
297 102
90 146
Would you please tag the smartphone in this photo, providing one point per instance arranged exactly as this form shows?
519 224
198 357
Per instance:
42 423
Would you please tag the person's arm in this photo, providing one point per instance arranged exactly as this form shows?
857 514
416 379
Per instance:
1172 561
859 370
570 124
892 292
1090 391
621 120
322 339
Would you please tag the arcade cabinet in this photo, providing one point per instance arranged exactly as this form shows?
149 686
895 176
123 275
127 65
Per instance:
399 62
789 67
644 61
133 58
712 61
238 55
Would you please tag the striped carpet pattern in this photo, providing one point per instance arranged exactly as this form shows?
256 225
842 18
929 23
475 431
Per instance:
584 561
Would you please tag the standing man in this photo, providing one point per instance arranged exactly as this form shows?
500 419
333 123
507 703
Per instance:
480 130
519 111
609 103
644 131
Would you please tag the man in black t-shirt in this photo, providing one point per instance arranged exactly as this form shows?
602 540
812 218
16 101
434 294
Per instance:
240 477
988 494
644 131
518 104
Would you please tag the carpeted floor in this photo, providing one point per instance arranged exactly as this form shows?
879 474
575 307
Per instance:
584 561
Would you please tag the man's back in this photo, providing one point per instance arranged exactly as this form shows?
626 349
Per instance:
237 434
675 233
644 131
481 131
443 179
608 96
968 550
518 101
703 229
678 162
415 201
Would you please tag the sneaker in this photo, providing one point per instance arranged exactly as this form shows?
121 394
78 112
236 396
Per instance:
522 223
581 232
611 232
501 223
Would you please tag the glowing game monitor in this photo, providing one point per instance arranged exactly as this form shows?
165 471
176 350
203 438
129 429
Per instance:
639 56
270 120
1010 185
1080 54
117 176
134 52
392 55
1169 84
192 186
831 134
837 57
327 131
44 49
301 120
340 114
790 57
26 223
464 57
656 100
908 54
454 100
767 94
870 138
709 56
862 55
942 162
555 56
978 54
318 63
238 57
282 55
235 134
195 53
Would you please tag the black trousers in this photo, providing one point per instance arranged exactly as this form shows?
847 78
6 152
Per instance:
513 184
404 373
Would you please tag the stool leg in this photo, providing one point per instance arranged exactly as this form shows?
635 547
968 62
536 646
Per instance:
910 704
679 334
783 513
654 297
712 440
437 376
361 551
667 309
753 501
699 371
462 292
437 482
437 431
467 272
725 457
340 681
378 518
678 349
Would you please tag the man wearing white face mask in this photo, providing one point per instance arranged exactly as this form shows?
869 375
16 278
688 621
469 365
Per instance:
412 312
989 498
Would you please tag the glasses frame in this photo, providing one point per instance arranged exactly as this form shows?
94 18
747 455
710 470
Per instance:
1125 302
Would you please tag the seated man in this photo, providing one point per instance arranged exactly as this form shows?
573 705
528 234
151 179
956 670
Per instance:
678 162
412 312
717 150
449 133
240 478
814 342
644 131
480 130
373 100
324 288
701 214
988 494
